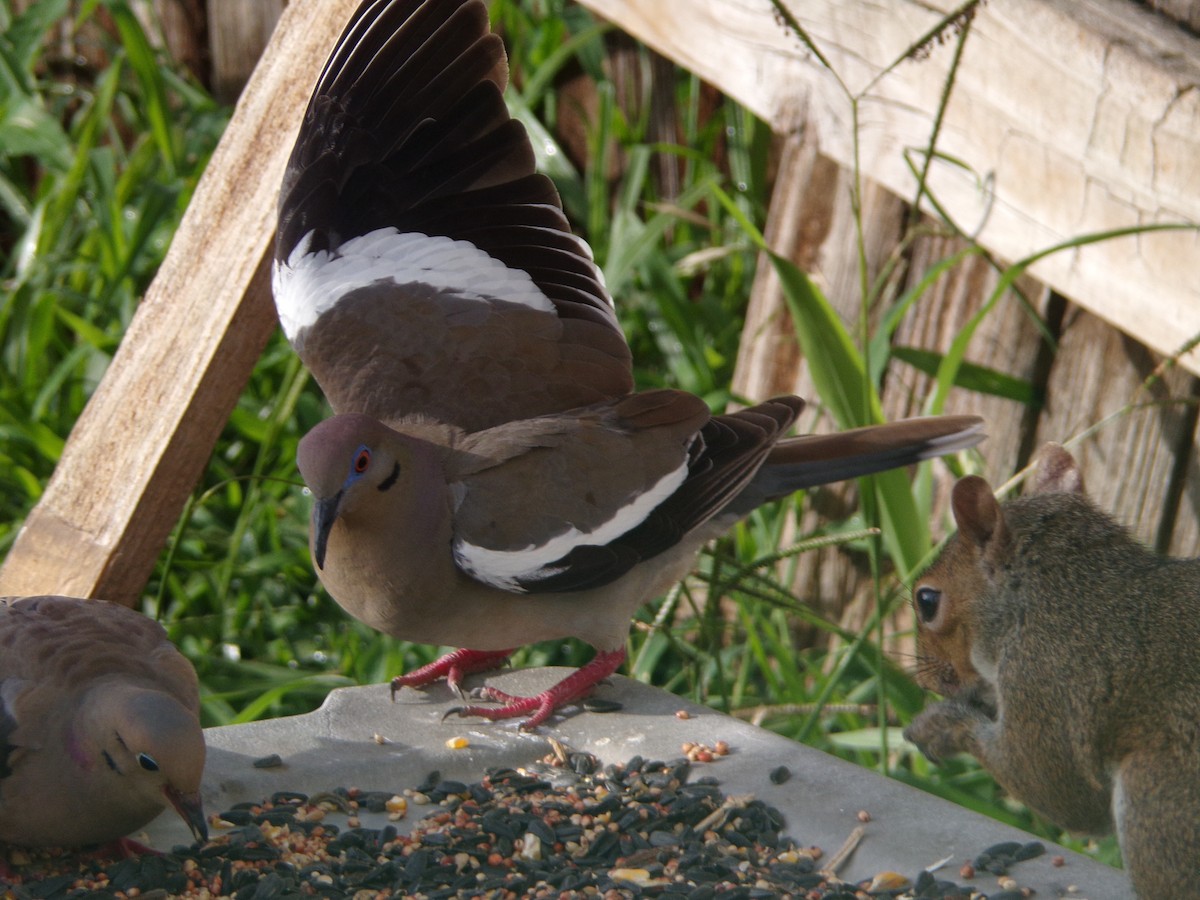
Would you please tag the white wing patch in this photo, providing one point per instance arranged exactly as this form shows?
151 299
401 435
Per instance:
310 284
505 569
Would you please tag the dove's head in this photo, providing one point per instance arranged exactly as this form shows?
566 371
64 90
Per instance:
358 468
154 745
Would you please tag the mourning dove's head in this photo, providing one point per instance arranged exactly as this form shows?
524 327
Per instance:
150 748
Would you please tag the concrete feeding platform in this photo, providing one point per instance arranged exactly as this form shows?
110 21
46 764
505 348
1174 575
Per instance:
339 745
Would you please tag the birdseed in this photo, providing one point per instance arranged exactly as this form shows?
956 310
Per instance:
571 830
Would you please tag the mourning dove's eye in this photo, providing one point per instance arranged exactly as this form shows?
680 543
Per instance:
146 761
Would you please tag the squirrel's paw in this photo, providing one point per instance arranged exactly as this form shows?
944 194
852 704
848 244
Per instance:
945 729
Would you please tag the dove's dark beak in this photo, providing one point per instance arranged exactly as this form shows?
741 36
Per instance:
324 514
191 810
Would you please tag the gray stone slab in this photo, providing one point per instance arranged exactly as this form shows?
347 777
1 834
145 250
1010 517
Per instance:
337 746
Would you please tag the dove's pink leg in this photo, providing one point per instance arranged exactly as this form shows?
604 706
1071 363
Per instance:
573 687
452 667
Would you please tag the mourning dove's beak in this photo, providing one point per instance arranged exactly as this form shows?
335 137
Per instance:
191 810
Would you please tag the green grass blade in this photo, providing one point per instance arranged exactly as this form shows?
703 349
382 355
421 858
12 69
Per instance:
144 62
541 79
979 379
23 37
879 347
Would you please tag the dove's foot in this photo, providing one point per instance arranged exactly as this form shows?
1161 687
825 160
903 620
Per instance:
574 687
452 667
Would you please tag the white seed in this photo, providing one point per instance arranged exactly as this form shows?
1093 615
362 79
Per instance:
531 847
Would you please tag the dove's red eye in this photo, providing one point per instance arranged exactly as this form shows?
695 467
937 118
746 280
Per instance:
362 460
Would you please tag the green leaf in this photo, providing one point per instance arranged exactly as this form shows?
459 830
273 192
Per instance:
23 37
972 377
86 331
547 151
834 363
548 69
144 62
27 129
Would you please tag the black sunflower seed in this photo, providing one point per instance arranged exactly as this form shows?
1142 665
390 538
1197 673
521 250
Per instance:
1032 850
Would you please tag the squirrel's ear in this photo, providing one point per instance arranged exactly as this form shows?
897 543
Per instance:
1057 472
976 511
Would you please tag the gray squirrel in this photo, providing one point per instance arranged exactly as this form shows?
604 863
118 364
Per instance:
1069 656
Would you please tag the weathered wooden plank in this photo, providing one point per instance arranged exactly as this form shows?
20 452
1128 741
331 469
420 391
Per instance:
237 33
1185 12
1008 340
180 26
1083 114
147 432
799 219
1129 465
1185 531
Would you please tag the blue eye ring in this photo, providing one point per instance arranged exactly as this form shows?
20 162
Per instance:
362 460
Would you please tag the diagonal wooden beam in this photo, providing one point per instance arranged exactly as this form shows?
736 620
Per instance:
148 431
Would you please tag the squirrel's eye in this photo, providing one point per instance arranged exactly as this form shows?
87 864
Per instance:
362 460
927 600
146 761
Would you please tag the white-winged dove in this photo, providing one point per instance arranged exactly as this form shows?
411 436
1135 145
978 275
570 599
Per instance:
99 724
490 478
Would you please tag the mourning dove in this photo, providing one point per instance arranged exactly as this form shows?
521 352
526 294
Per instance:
99 727
490 478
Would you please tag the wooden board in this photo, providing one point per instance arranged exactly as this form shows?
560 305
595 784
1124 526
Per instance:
1082 114
1185 12
145 436
237 33
1130 464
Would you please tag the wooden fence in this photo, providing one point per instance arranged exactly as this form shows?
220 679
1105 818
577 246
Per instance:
1084 116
